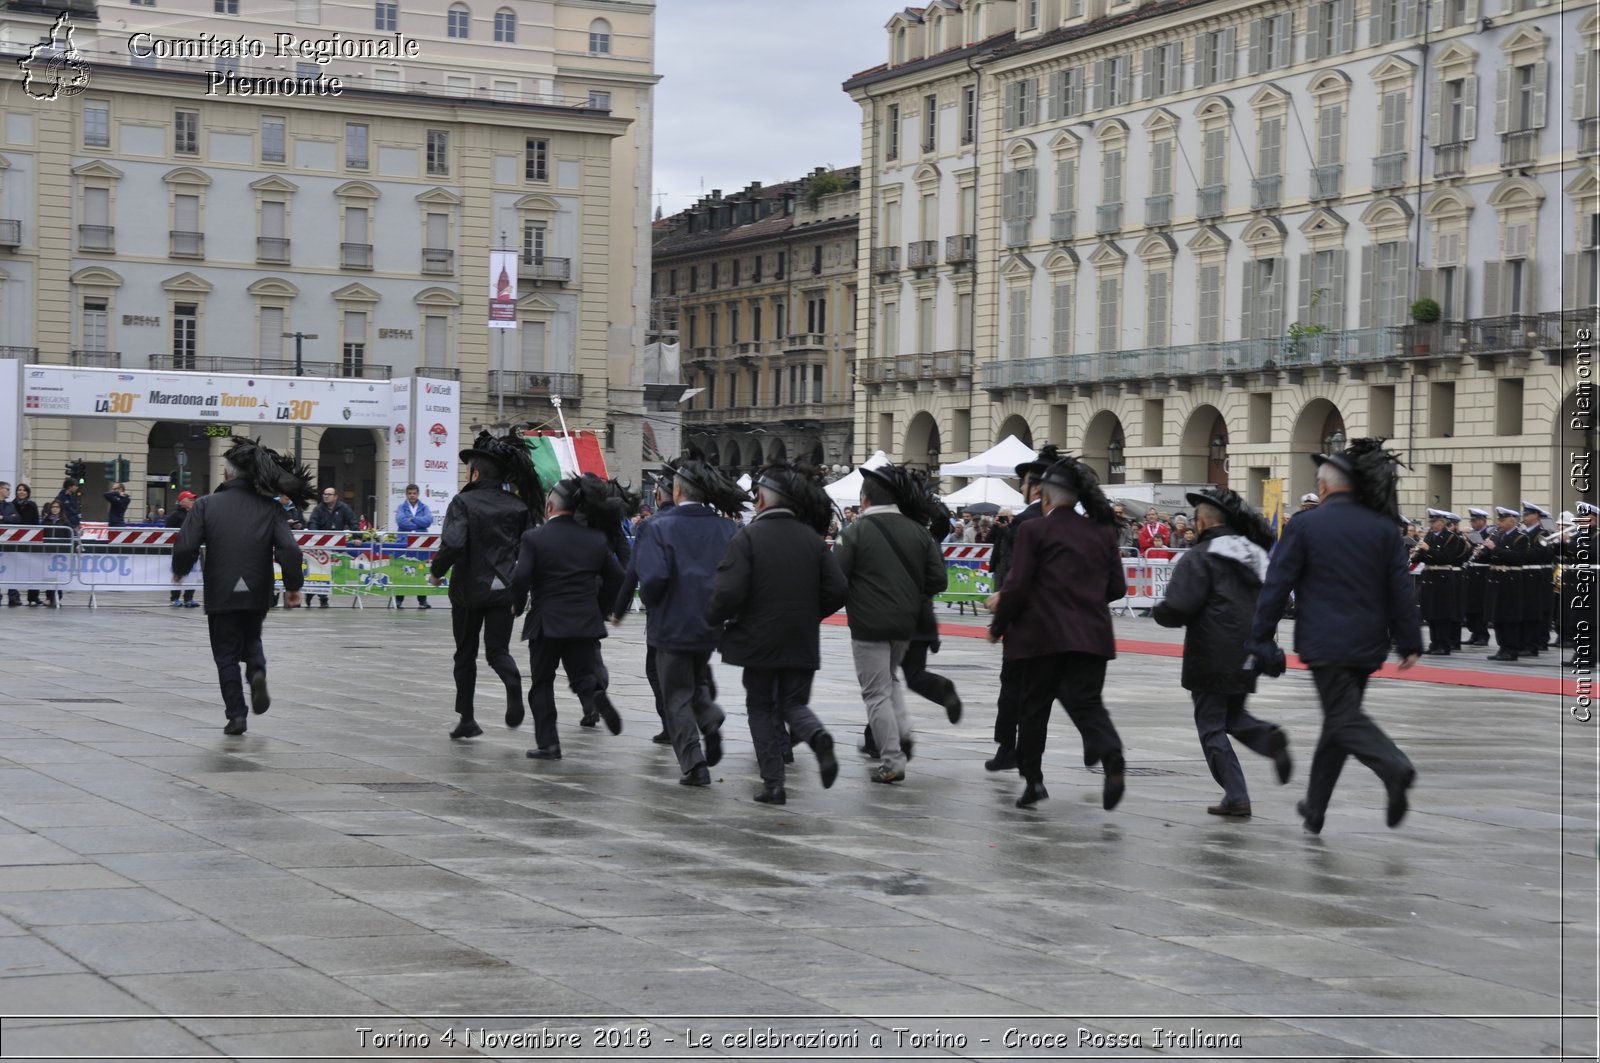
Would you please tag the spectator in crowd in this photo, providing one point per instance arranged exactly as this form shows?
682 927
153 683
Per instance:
1153 534
8 515
68 497
184 599
331 514
969 531
28 516
58 529
413 518
117 500
291 513
958 532
1188 540
1127 531
161 515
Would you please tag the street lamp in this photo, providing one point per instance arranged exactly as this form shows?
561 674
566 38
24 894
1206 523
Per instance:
299 370
1334 442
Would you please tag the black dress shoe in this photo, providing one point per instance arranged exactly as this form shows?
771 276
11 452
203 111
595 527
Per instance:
1278 750
869 748
236 726
1479 640
260 700
827 764
773 796
662 739
699 775
515 713
713 743
1501 656
1312 821
467 728
1398 803
952 707
608 712
1005 759
422 603
1239 811
788 756
1436 651
908 747
1111 793
590 719
1032 794
545 753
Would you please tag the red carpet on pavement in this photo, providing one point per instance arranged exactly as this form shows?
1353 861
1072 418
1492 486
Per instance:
1421 673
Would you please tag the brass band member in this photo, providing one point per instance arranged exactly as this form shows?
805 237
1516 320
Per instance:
1475 579
1442 552
1508 551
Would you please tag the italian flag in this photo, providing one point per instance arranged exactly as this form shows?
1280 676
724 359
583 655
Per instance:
557 457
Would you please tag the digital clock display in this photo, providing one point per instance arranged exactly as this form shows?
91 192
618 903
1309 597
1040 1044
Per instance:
219 431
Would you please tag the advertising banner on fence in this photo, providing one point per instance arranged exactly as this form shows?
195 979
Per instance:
10 420
61 391
123 572
436 441
400 442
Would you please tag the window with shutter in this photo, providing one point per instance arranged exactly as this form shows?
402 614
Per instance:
533 347
355 225
1209 299
1111 177
1157 316
269 333
433 340
97 206
1110 314
1392 134
1066 184
1269 147
272 219
1061 319
1330 134
1017 322
1161 167
1214 167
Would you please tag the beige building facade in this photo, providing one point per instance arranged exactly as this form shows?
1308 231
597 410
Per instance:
1200 237
164 218
759 287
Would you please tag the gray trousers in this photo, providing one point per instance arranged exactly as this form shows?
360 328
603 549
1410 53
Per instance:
884 696
776 700
687 708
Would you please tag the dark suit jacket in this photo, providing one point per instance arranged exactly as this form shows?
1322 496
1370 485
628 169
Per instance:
1347 567
1065 568
482 527
676 557
243 535
775 584
572 573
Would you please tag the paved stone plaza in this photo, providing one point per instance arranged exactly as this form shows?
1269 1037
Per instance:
206 895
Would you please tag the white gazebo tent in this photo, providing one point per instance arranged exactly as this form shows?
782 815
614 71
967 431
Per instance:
846 491
989 489
1001 459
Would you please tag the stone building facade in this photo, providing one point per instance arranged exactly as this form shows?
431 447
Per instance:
761 287
1199 230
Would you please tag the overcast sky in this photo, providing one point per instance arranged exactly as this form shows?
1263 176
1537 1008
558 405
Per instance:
750 90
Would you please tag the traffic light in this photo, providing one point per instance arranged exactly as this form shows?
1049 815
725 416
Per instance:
77 470
110 467
185 478
172 480
124 469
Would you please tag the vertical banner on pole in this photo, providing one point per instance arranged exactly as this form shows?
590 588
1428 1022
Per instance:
400 443
435 440
503 289
1272 505
11 370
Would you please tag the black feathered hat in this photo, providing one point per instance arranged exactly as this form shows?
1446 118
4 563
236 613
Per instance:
272 474
717 490
1075 476
1374 473
800 487
1049 454
1240 517
592 500
513 464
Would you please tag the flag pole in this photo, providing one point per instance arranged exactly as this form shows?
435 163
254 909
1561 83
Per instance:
555 400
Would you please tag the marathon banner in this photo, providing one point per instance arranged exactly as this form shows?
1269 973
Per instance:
92 571
435 442
238 399
11 420
401 427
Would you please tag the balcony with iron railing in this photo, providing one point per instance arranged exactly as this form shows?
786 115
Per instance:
1063 226
186 245
1450 160
1158 210
1266 193
10 232
355 256
805 341
727 415
1519 149
959 250
922 254
97 238
363 369
701 356
834 409
21 354
946 366
1389 171
273 249
885 260
746 350
1016 231
1210 202
95 359
1108 219
513 383
1327 182
438 260
545 268
1588 137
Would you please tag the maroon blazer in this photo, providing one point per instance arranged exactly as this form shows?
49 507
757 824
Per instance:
1064 570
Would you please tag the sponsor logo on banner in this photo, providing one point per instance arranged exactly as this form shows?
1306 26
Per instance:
438 435
82 392
399 433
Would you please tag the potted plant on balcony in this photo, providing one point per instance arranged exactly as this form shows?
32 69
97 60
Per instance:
1424 312
1301 335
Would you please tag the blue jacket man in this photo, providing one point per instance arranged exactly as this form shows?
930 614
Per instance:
630 587
412 517
676 558
1346 564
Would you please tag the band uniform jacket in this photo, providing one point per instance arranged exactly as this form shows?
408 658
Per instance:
243 535
1000 556
1349 571
1440 585
1212 595
478 546
1065 572
676 558
573 576
776 582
